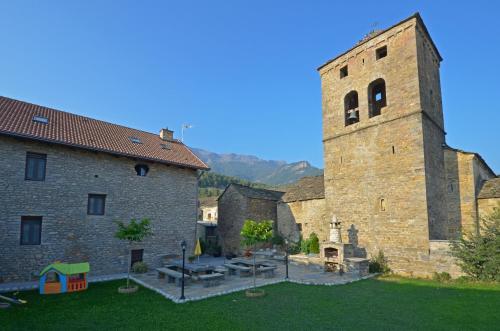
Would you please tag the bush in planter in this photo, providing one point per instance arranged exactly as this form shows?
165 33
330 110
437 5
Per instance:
191 258
140 267
254 233
379 264
134 232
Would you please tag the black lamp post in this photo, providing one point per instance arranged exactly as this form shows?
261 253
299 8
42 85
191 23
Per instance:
286 258
183 246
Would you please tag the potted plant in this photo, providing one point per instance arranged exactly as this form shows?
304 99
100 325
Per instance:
252 234
134 232
191 258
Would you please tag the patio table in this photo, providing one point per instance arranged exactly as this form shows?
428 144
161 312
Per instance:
194 268
250 262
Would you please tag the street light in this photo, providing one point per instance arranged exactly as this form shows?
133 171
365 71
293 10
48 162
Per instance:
286 258
183 246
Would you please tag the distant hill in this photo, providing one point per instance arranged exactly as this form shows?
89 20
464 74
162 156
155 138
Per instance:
255 170
212 184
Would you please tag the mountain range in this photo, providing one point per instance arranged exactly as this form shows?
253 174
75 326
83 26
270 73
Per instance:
254 169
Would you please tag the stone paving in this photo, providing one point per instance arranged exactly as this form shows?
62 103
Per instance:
298 273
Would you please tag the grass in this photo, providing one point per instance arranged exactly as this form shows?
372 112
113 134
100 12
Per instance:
384 303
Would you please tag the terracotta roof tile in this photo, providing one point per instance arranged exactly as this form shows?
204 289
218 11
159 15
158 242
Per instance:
16 119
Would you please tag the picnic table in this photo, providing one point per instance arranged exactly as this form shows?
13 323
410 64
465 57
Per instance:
193 268
250 262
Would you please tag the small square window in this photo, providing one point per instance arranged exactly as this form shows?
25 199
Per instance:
35 166
31 230
96 204
381 52
299 227
344 72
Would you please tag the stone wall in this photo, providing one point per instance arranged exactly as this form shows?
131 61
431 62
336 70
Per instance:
465 175
234 209
167 196
310 213
486 206
440 259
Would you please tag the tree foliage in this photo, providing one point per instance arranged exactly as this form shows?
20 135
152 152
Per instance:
134 231
212 184
253 232
478 254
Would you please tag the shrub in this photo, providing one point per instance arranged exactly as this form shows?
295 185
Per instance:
477 254
310 245
313 243
277 240
191 258
379 264
210 248
294 248
140 267
441 277
304 246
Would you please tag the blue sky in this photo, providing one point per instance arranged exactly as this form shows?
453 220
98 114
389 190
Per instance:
242 72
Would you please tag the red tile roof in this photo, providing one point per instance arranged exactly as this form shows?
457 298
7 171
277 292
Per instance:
16 119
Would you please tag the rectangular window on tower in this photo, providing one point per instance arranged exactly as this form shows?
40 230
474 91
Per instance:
381 52
344 72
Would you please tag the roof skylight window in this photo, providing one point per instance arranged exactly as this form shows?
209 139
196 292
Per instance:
40 119
135 140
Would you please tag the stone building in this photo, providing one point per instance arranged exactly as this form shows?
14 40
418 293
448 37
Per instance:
389 175
207 220
66 179
238 203
302 210
208 209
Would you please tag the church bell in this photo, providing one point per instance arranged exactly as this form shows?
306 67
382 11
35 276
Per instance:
353 115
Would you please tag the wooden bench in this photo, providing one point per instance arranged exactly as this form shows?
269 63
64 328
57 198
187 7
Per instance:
173 276
235 269
211 279
267 271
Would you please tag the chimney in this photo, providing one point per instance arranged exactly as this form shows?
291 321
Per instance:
166 134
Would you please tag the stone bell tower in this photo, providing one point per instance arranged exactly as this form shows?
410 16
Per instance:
383 138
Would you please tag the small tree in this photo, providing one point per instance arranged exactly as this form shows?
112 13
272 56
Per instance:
134 232
254 233
478 254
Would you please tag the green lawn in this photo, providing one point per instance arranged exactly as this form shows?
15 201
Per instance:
370 304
